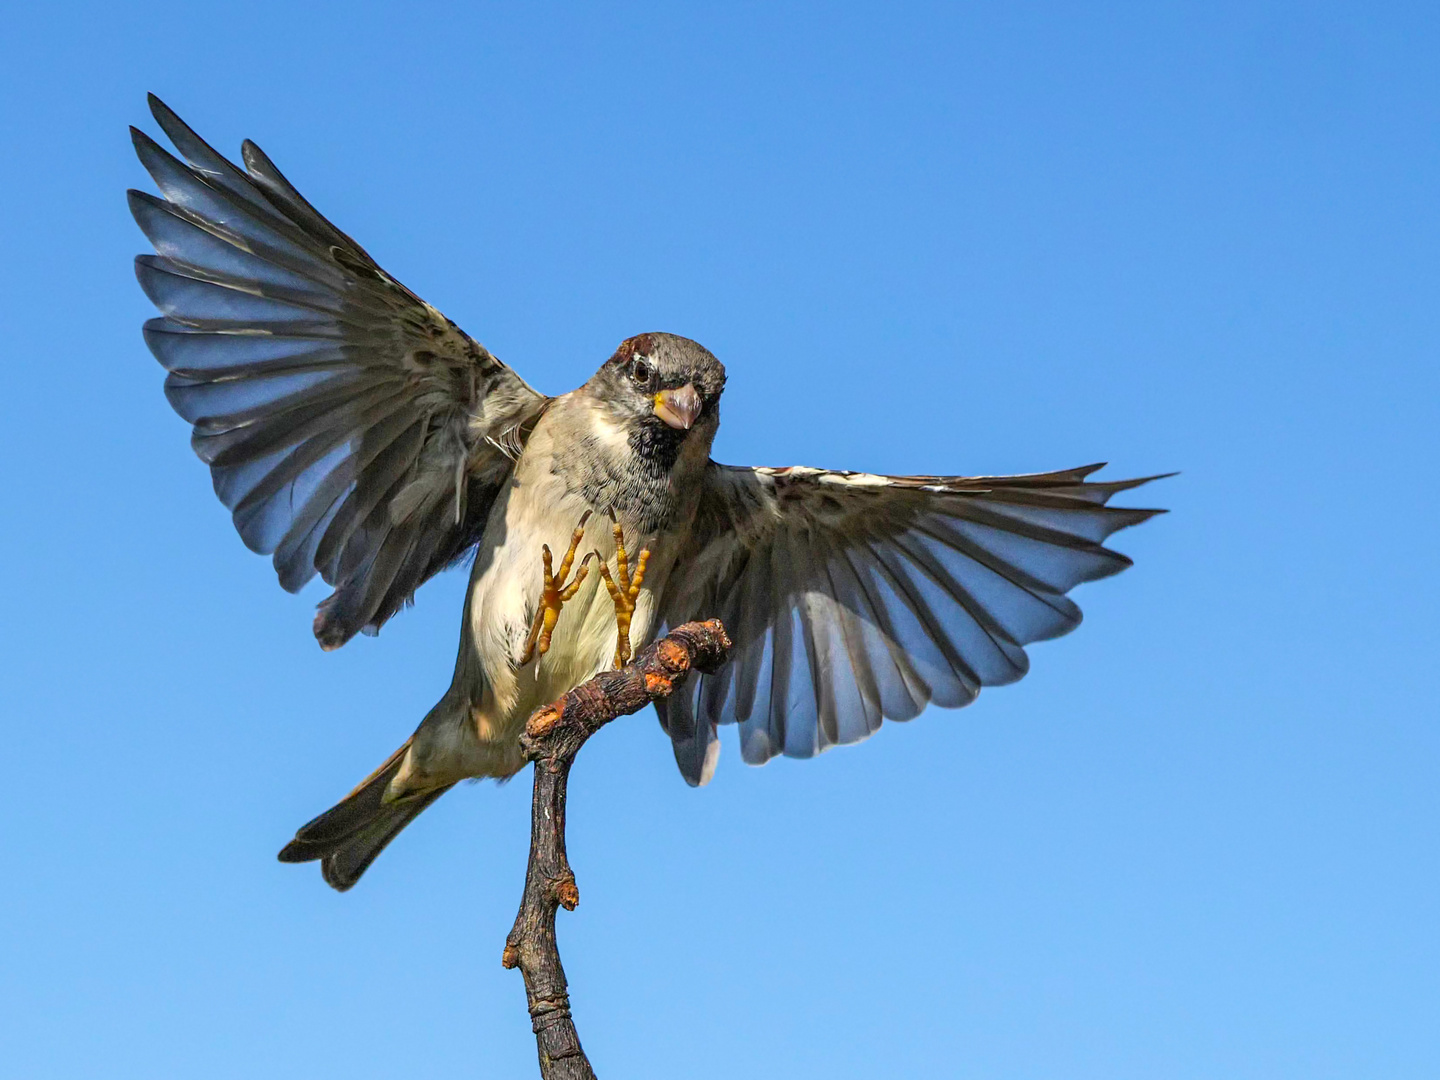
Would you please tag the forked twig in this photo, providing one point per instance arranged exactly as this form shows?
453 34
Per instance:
553 736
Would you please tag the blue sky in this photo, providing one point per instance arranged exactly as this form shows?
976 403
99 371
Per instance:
1198 840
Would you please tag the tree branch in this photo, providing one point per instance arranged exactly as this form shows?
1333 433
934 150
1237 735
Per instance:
553 736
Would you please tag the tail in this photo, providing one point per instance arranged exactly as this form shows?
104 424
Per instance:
348 836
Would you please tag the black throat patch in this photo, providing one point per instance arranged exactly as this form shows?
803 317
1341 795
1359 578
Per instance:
637 485
657 445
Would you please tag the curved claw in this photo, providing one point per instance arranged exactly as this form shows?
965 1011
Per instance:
554 593
624 591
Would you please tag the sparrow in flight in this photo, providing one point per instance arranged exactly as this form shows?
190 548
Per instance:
355 432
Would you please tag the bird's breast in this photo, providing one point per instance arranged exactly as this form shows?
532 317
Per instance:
538 510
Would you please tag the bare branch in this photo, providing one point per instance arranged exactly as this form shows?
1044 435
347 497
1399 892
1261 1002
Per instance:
553 736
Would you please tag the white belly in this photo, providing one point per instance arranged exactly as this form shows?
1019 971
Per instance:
503 600
474 730
505 592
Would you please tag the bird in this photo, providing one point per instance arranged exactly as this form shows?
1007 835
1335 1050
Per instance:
356 433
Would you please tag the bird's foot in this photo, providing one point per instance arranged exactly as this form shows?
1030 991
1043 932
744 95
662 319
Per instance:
555 593
623 590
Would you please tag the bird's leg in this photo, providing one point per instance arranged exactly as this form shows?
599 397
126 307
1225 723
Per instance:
623 591
555 593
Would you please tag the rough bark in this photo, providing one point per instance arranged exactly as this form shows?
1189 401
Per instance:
553 736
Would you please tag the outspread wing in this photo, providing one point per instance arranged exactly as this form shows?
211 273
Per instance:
852 597
352 430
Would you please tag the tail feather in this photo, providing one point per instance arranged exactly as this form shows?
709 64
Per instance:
348 836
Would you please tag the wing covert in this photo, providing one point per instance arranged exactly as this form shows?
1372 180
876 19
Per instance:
350 428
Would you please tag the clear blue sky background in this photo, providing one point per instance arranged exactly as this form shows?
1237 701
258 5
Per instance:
1199 840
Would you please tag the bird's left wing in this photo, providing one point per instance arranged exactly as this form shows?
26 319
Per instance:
852 597
351 429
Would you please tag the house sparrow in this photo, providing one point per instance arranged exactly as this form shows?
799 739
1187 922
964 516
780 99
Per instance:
355 432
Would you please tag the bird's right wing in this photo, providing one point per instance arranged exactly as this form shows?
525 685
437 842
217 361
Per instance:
852 597
351 429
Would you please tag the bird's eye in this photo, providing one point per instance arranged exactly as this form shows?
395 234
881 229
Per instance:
640 371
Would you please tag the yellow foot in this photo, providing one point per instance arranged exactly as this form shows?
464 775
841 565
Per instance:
625 592
555 593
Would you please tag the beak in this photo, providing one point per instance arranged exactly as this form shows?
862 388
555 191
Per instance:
678 408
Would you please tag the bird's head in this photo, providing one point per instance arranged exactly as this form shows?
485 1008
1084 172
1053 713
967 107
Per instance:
664 387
